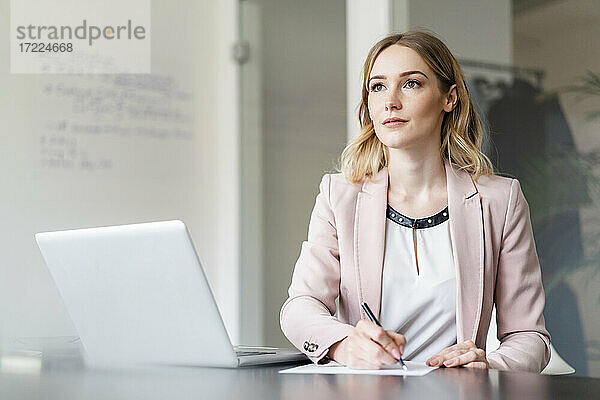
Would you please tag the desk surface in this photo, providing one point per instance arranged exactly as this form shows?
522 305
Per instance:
59 374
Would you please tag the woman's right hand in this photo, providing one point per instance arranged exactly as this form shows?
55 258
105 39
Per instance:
369 346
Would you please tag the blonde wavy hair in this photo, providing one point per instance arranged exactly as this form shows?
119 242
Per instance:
462 130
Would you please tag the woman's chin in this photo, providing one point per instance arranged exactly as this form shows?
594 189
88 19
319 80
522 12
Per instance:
399 141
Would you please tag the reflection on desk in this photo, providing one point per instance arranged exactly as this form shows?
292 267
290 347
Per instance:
57 372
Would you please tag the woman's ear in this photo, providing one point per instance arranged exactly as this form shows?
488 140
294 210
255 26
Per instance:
451 98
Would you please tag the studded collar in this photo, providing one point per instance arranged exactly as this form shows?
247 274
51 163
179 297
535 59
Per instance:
419 223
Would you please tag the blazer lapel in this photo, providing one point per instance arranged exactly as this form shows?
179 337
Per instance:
466 231
369 240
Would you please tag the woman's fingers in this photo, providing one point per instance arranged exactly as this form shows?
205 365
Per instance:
473 356
451 355
450 352
374 353
445 356
381 337
442 356
368 346
399 339
464 358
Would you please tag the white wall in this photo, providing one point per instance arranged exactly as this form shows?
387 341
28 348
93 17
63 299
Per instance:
193 177
303 77
472 29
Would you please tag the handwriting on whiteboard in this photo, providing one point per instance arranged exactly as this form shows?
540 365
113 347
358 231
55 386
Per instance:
86 109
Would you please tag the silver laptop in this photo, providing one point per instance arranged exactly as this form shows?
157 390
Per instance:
137 294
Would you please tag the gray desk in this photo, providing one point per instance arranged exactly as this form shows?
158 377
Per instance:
59 374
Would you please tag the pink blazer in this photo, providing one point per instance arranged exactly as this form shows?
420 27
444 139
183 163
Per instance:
494 254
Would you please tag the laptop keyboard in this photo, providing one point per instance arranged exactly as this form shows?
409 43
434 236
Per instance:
252 353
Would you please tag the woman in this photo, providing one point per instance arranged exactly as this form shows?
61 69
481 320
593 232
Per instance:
418 226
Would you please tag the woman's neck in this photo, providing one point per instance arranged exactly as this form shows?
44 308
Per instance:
416 178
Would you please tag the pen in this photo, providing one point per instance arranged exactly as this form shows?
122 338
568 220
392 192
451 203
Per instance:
371 316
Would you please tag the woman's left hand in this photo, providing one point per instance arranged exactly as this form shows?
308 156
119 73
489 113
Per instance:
465 354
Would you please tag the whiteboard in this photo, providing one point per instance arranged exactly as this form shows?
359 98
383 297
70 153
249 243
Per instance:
95 150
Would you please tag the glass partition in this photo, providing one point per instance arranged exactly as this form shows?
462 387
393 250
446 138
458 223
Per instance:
293 130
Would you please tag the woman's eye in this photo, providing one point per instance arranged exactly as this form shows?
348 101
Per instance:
417 84
374 86
410 84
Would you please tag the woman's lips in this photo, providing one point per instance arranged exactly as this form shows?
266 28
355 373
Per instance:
393 124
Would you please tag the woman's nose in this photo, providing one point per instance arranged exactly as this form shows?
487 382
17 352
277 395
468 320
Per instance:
393 101
392 104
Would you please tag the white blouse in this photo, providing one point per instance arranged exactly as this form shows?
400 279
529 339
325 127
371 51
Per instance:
419 290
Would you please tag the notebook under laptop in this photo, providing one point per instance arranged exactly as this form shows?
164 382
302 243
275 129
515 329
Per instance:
137 294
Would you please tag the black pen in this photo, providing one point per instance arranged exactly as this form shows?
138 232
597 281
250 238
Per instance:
371 316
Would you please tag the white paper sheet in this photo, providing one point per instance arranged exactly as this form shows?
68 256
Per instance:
414 369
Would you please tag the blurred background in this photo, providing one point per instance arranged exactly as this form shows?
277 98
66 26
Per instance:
250 102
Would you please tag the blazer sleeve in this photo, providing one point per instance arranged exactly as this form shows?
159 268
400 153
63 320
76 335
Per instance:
519 295
307 316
